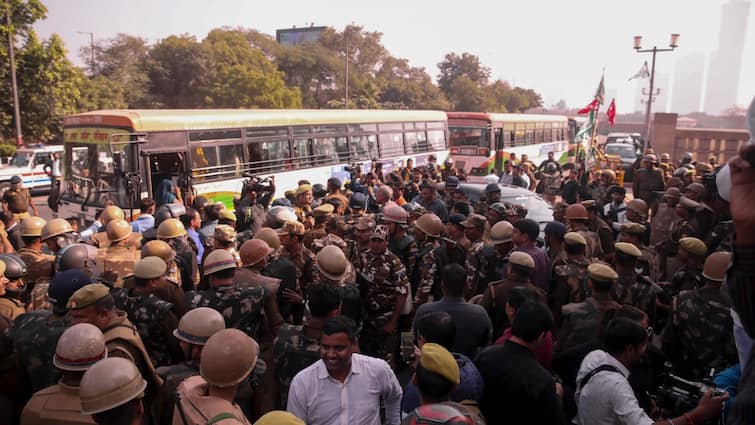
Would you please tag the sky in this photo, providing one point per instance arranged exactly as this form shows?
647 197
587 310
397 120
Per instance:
557 47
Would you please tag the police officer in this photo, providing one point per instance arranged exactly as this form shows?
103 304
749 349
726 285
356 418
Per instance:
112 390
637 212
362 233
303 207
691 254
18 200
280 268
116 261
111 212
297 347
12 270
291 236
660 228
173 232
241 307
581 321
171 291
193 331
387 288
632 288
57 233
36 334
699 337
78 348
93 304
321 214
254 255
227 359
152 317
570 277
521 266
576 221
475 227
596 224
427 231
224 237
400 242
39 265
647 181
79 256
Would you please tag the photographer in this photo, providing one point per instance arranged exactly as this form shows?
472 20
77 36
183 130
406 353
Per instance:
604 395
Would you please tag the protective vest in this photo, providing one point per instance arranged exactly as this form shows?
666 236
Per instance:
55 405
121 331
194 407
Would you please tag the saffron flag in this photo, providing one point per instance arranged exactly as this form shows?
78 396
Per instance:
642 73
611 112
592 106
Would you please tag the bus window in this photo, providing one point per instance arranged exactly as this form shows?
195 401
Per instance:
267 157
198 136
468 137
436 139
231 160
391 145
342 149
215 162
302 152
364 147
324 151
416 142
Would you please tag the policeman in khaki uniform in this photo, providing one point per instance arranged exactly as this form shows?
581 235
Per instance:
576 221
10 304
117 261
227 359
193 331
57 234
224 237
254 254
78 348
18 200
321 214
581 321
172 291
521 266
39 265
93 304
692 252
303 207
111 389
110 213
173 232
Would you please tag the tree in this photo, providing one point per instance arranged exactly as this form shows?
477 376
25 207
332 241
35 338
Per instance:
407 87
466 65
177 72
99 93
123 60
315 70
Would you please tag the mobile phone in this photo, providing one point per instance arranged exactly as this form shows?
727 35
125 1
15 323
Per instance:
407 345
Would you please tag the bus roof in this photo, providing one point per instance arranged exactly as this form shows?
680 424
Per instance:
144 120
496 117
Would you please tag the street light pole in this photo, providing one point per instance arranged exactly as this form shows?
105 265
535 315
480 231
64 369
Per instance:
346 99
14 84
91 48
673 44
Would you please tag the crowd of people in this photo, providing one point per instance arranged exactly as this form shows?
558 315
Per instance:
391 299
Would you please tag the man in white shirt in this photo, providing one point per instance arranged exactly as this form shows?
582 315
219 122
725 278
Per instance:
604 396
343 387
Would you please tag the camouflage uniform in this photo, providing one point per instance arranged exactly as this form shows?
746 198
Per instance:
35 336
425 273
316 232
646 264
241 307
638 291
39 273
494 300
699 337
594 248
155 321
721 237
605 235
663 221
117 261
475 264
293 351
303 262
569 285
581 321
385 280
406 250
686 279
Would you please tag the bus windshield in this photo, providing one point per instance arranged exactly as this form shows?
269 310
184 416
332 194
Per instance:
468 137
20 159
92 175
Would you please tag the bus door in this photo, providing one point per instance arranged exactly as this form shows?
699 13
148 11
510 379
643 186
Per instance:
126 170
498 146
167 171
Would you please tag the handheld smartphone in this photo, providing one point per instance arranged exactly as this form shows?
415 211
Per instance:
407 346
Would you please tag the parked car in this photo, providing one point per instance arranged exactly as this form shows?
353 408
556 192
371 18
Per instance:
628 155
30 164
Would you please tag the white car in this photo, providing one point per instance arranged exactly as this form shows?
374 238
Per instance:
32 164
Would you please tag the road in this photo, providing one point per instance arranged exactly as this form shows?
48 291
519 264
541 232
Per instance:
41 203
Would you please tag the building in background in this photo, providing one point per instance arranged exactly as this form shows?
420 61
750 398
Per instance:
725 66
688 84
294 36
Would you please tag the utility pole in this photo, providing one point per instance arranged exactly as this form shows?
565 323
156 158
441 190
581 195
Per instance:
346 99
91 49
14 85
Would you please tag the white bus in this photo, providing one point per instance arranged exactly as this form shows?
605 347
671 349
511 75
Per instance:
122 155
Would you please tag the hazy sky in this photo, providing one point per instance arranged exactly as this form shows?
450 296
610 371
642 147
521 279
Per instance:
557 47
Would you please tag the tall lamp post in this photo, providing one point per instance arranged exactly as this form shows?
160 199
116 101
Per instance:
14 85
638 47
91 48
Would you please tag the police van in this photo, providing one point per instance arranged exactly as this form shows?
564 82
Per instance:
32 163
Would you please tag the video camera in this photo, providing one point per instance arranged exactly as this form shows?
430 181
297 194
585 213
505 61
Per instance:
257 183
678 395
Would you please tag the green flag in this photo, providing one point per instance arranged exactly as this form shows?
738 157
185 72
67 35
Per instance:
585 132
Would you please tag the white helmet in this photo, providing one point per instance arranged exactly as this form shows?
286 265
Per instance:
723 178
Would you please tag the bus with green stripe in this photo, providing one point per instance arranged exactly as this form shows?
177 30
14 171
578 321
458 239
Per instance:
122 156
480 142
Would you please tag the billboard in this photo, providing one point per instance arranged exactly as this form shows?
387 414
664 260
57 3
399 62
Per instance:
294 36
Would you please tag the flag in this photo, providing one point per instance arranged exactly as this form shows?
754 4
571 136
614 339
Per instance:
592 106
585 132
601 91
642 73
611 112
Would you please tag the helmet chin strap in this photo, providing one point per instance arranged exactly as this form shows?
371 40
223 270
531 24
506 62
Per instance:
723 179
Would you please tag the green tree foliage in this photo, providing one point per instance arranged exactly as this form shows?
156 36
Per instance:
100 93
177 71
123 61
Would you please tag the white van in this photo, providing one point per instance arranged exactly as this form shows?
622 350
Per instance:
31 163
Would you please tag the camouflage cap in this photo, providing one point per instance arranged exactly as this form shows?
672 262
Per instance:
380 232
150 268
365 223
632 228
324 210
694 246
304 188
88 295
574 238
601 272
475 220
291 228
435 358
279 417
227 215
224 233
522 259
628 248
